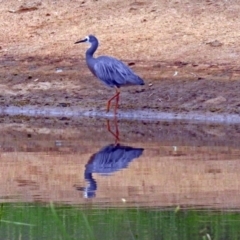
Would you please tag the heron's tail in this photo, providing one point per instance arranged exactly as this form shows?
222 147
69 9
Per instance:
140 81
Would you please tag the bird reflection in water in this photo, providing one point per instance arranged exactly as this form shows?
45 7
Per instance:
109 159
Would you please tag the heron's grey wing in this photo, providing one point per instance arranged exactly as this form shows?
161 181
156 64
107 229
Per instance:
114 72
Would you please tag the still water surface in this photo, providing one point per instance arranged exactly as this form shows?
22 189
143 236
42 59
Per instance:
92 179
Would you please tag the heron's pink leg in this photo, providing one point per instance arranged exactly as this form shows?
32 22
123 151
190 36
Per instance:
117 99
116 134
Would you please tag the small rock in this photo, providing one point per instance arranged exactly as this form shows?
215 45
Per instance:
215 43
58 143
175 73
62 104
215 101
131 63
27 6
180 63
59 70
135 3
132 9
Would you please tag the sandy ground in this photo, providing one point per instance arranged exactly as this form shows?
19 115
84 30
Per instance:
186 51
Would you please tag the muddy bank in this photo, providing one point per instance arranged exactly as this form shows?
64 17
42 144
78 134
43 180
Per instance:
187 53
179 88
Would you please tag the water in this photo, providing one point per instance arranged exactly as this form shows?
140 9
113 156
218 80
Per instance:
63 179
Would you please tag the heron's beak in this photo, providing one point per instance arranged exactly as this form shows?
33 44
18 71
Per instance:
80 41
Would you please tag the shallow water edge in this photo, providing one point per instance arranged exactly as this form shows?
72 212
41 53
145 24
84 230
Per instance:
145 115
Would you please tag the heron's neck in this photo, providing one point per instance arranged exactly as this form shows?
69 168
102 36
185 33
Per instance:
92 49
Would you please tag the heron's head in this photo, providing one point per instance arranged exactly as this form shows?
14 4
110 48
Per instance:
88 39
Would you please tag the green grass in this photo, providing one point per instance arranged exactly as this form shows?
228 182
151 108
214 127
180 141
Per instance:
38 221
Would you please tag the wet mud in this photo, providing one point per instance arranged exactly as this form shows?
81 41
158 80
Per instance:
38 82
71 135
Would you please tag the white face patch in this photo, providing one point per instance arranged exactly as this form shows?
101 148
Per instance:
87 37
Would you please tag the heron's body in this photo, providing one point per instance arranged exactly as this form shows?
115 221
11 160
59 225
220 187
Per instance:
111 71
114 73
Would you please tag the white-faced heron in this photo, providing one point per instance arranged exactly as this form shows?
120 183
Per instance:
109 70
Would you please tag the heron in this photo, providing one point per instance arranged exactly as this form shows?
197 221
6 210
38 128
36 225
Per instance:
109 70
